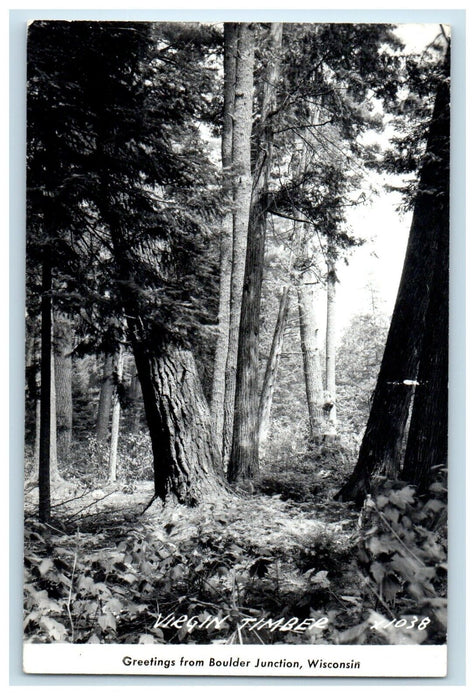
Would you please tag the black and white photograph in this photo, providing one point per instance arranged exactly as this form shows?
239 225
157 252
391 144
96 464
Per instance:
237 325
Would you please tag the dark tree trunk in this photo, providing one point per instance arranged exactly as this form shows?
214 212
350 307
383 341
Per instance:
44 485
185 455
221 353
380 450
242 182
427 441
244 463
36 394
54 475
36 458
268 386
63 347
105 402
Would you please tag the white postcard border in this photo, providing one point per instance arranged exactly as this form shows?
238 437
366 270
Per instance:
310 661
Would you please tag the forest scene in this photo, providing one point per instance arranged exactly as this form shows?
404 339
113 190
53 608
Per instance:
218 441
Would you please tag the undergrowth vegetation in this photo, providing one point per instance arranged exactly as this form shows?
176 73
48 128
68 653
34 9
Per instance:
306 475
105 572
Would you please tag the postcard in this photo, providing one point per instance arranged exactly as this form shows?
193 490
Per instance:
236 388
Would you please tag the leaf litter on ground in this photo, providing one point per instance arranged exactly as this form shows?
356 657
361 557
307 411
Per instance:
233 555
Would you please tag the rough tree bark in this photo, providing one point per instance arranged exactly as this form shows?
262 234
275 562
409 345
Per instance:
268 386
185 454
380 450
242 182
426 447
186 460
221 353
63 347
244 462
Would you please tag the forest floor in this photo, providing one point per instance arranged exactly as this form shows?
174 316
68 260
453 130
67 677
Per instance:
237 556
104 571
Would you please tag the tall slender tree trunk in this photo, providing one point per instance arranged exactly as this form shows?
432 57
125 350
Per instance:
306 292
53 458
30 375
427 440
136 401
244 463
105 402
37 399
380 450
114 443
242 182
311 355
221 353
329 406
268 387
63 347
45 416
36 457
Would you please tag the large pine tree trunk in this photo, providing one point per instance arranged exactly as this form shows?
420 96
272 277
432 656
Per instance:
242 182
311 356
186 459
244 463
221 353
380 450
185 454
427 441
268 386
330 357
63 346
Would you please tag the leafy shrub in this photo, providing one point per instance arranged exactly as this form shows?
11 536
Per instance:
237 557
135 459
403 551
287 434
359 358
89 462
303 476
